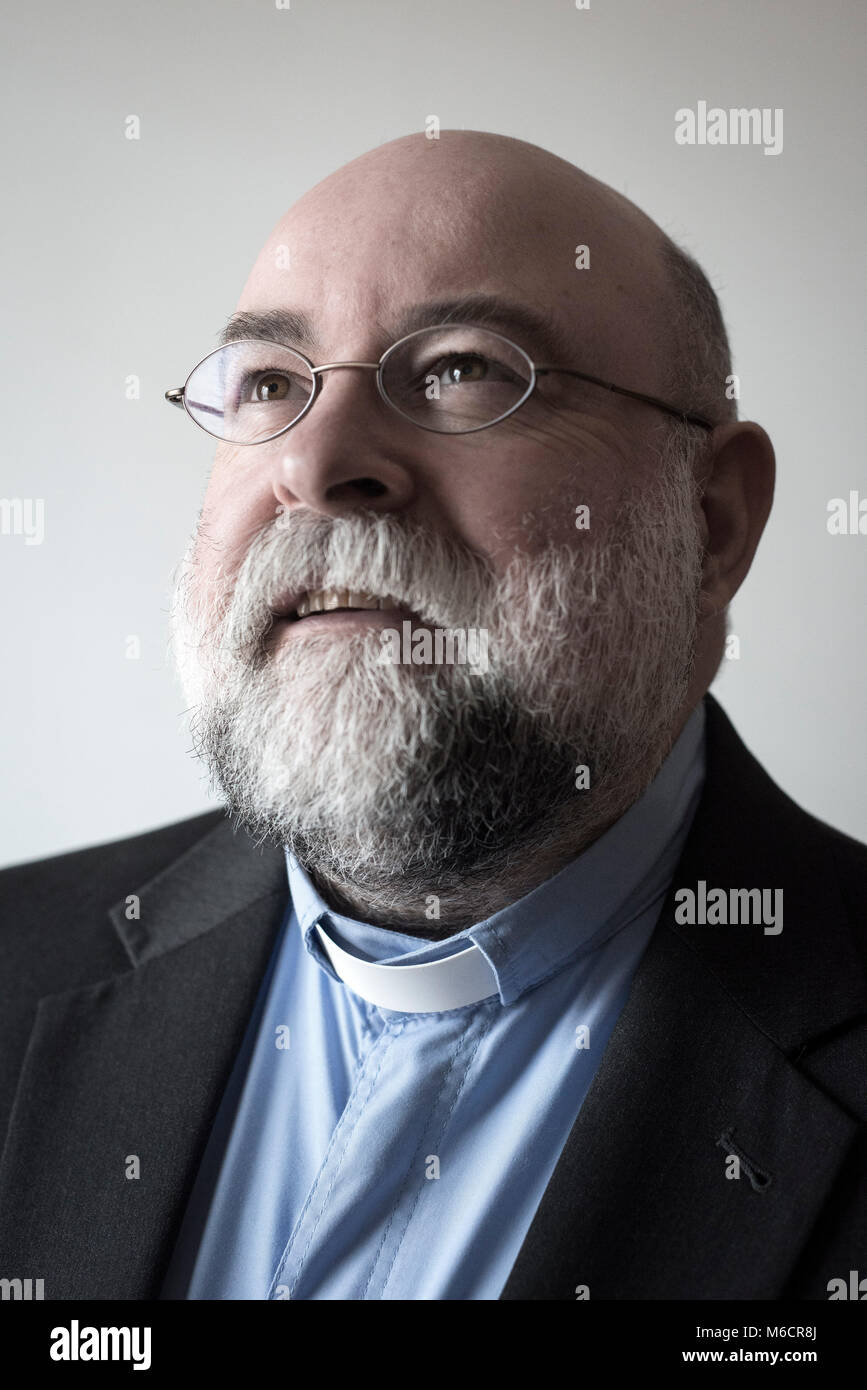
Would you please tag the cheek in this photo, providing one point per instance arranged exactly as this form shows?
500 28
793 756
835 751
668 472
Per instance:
527 499
235 508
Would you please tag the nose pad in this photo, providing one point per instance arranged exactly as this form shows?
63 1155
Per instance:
320 381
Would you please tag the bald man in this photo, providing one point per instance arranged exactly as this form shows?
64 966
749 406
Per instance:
504 971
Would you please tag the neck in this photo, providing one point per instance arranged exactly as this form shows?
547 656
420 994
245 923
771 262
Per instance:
437 906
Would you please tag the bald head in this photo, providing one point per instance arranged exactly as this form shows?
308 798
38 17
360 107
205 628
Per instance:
476 211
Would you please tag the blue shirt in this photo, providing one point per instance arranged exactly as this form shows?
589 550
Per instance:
362 1153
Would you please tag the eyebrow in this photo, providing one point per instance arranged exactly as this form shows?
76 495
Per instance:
493 312
288 326
295 329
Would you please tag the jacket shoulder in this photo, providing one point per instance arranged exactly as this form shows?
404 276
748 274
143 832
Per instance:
751 832
748 790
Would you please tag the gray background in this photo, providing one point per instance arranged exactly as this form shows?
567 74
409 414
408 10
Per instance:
124 257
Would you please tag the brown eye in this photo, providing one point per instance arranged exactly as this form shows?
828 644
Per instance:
272 387
467 369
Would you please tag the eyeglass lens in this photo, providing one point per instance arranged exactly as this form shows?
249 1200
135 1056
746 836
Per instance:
451 380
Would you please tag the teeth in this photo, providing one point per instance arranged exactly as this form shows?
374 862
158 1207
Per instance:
326 600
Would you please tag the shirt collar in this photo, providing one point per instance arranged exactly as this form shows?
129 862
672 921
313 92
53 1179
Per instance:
607 886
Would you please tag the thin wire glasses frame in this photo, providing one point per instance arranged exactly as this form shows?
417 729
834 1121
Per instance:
177 395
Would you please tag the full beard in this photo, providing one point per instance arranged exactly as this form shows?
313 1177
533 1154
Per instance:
400 786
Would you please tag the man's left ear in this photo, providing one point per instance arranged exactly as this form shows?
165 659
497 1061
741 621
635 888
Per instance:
738 491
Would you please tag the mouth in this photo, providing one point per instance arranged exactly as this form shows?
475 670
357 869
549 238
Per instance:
337 606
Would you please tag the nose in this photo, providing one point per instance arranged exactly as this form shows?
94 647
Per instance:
344 454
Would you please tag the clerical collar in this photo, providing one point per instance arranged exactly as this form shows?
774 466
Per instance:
465 977
625 871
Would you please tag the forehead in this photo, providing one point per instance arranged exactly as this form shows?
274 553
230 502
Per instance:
364 250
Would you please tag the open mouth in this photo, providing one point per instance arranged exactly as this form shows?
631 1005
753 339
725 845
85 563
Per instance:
334 600
313 602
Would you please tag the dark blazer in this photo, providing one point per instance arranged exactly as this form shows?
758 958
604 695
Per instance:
117 1035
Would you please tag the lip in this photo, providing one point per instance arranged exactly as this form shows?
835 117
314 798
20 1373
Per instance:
288 627
286 607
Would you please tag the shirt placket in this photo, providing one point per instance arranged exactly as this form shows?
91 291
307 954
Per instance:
336 1213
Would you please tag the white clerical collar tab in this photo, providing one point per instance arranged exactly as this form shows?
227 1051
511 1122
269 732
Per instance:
465 978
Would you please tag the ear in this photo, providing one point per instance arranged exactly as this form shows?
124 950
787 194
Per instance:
738 488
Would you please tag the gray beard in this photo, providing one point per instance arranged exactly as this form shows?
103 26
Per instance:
427 798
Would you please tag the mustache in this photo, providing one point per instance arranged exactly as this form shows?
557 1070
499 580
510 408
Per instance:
429 573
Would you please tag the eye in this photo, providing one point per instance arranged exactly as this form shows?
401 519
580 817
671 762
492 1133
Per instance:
271 387
466 369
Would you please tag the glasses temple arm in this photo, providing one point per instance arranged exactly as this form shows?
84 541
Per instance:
635 395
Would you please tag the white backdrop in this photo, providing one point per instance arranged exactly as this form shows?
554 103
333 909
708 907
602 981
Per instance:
123 257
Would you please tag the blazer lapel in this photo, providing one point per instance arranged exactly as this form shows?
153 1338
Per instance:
133 1068
643 1203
